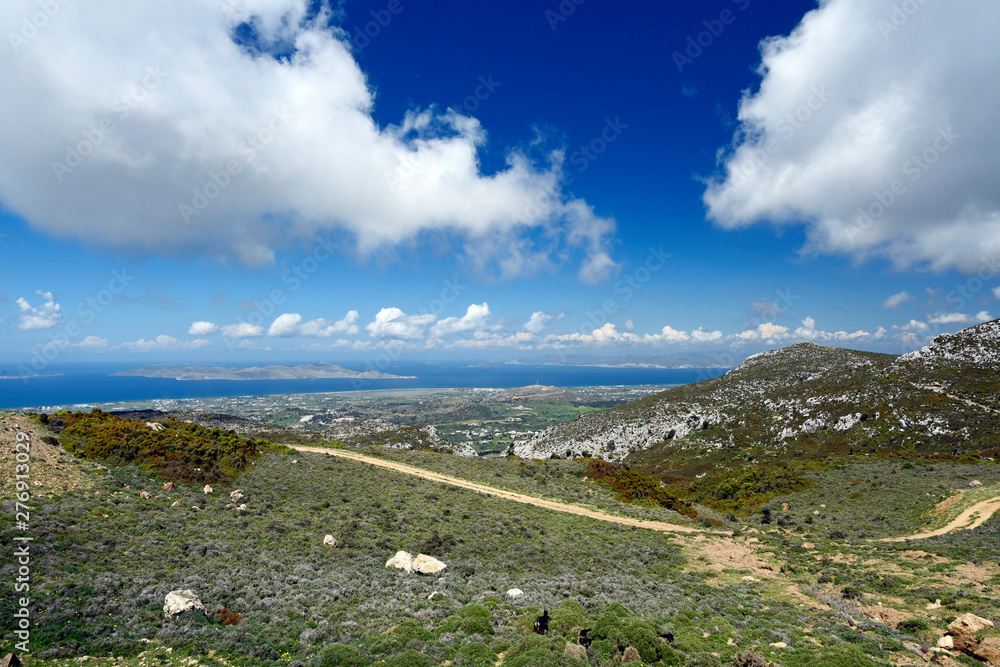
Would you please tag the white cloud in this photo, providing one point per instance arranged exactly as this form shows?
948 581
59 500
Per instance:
394 323
702 336
291 324
846 337
996 293
807 330
915 326
475 317
285 325
668 334
770 331
521 339
202 328
540 319
323 328
983 316
849 105
605 335
896 300
951 318
163 343
45 316
257 149
242 330
92 343
879 334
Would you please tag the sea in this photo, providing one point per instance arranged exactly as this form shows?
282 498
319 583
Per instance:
83 384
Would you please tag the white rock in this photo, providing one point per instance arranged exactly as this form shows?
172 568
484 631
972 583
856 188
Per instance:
779 645
331 541
207 489
975 484
403 560
946 642
935 605
178 602
236 495
435 595
427 564
515 593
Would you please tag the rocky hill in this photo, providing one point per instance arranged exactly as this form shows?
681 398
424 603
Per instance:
804 402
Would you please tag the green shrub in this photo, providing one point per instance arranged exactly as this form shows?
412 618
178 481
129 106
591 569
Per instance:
533 645
913 625
410 658
471 619
476 654
633 487
702 659
538 657
342 655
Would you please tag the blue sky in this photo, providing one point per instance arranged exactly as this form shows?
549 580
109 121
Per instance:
257 180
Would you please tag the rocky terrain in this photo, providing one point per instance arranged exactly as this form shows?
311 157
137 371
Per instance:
801 402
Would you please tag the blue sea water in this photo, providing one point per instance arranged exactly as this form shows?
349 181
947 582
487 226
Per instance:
81 384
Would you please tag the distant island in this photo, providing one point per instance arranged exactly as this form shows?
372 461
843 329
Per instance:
302 372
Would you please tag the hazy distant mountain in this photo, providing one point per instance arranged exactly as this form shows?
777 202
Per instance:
301 372
805 401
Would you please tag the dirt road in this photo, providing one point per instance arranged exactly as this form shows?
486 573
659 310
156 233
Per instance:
972 517
507 495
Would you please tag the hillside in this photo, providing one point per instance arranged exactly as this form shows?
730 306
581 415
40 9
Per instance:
804 402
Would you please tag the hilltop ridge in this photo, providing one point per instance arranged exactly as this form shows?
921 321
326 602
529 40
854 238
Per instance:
802 402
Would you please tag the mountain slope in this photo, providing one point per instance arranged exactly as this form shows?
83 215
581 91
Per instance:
804 402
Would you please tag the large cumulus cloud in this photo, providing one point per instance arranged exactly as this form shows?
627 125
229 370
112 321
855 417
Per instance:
875 126
145 126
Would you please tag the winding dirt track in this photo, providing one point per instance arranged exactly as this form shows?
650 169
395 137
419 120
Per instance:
507 495
972 517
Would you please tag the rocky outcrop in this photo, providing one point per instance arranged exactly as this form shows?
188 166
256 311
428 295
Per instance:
403 560
515 593
422 564
963 634
208 489
181 602
331 541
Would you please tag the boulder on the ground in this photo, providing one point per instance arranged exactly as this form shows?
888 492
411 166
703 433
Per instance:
331 541
145 494
403 560
575 651
515 593
208 489
236 495
425 564
963 633
169 486
975 484
180 602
